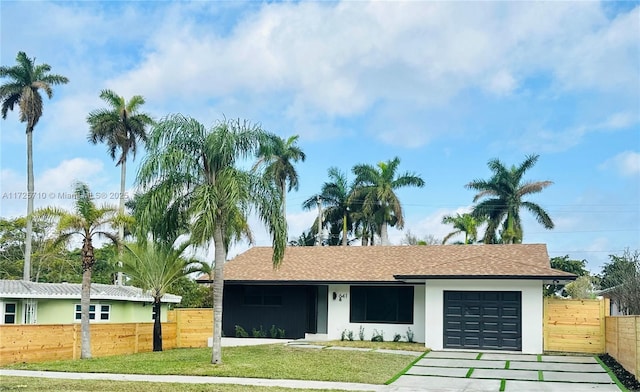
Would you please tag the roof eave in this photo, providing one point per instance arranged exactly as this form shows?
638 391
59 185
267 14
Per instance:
547 278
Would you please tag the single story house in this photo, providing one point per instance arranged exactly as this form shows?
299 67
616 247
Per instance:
486 297
23 302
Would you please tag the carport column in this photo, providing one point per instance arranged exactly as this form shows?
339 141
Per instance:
433 316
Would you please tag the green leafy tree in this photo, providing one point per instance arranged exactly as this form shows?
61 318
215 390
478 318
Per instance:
307 238
334 197
26 80
194 294
278 156
564 263
86 221
621 276
120 127
581 288
196 172
465 223
375 188
155 267
502 201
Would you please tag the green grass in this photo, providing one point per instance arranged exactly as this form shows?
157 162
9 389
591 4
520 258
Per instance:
376 345
25 384
406 369
479 356
268 361
503 385
611 374
539 358
469 372
540 377
506 365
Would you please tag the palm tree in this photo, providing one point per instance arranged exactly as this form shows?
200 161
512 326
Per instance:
465 223
278 156
87 221
375 188
120 127
155 267
23 89
196 172
504 193
334 197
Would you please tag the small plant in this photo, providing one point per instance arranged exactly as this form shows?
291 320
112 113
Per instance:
350 335
409 335
361 334
281 333
396 337
343 335
240 332
258 333
378 336
273 332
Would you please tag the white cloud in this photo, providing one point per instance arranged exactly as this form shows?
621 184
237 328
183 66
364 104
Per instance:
52 187
626 164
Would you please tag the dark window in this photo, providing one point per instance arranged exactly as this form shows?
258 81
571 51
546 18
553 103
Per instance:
103 314
9 313
380 304
262 296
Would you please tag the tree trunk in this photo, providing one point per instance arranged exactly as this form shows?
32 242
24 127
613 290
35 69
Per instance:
26 274
218 286
157 326
123 176
85 298
344 230
384 236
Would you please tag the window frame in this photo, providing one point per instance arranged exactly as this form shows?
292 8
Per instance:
5 313
97 313
265 296
366 319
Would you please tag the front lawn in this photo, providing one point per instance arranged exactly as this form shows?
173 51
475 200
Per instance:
268 361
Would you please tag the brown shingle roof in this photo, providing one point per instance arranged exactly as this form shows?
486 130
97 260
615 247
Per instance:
386 263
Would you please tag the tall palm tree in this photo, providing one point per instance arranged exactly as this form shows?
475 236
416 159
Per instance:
121 127
465 223
277 156
155 267
23 88
86 221
503 197
196 171
375 188
334 196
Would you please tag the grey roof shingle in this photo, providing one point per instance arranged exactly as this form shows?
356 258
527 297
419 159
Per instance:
24 289
389 263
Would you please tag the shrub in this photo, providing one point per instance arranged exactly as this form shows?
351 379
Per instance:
350 335
273 332
396 337
258 333
361 334
377 336
343 335
281 333
409 335
240 332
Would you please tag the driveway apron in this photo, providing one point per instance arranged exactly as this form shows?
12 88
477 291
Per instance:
480 371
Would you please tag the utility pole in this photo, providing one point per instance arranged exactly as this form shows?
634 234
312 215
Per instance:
319 236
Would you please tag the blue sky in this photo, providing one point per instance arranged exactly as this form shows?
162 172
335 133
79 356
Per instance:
445 86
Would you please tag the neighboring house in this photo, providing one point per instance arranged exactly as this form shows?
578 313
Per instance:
615 307
24 302
452 297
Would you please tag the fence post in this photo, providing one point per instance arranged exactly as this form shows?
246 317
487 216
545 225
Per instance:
178 327
75 341
137 345
545 327
603 332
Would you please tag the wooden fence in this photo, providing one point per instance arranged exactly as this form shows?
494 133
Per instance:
622 341
572 325
194 326
37 343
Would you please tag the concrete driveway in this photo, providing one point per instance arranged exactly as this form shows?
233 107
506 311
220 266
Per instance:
476 371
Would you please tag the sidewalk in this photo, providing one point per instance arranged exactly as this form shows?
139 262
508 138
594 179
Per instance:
295 384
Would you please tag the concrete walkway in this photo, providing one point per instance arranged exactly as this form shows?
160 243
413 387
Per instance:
475 371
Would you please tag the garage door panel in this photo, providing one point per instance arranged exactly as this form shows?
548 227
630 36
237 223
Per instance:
483 319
